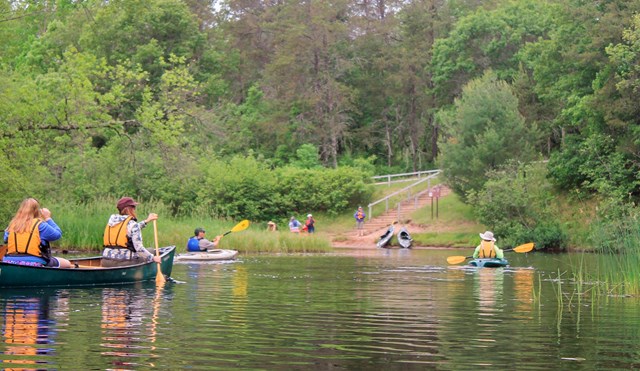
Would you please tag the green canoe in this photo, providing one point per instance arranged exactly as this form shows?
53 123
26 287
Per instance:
87 272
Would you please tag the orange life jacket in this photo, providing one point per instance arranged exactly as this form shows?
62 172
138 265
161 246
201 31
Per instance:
486 250
25 242
115 236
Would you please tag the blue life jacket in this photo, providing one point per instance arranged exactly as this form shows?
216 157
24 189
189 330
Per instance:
193 244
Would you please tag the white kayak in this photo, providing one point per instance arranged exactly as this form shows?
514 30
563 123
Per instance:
211 255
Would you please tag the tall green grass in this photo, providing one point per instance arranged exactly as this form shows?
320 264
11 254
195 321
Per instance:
83 228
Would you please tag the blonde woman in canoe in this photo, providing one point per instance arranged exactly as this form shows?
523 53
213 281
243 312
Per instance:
28 237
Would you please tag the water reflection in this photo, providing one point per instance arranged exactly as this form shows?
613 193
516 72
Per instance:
488 289
129 325
29 328
391 310
523 287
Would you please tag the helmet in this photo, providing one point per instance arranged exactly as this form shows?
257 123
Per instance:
198 230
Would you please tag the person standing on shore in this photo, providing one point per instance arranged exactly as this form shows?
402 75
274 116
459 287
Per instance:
294 225
360 215
310 224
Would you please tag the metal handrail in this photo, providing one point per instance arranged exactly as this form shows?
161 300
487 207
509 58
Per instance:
408 188
418 174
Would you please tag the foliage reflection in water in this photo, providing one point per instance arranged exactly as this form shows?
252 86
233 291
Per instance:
392 310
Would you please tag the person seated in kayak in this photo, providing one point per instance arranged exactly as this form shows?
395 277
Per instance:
199 243
123 237
487 248
28 237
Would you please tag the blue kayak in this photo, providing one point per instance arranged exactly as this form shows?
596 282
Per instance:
489 263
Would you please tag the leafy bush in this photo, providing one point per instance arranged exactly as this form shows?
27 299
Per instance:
516 204
244 188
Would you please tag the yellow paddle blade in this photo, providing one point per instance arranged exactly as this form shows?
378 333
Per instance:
160 280
456 259
241 226
524 248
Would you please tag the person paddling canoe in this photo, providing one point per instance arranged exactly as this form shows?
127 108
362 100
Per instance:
488 248
123 237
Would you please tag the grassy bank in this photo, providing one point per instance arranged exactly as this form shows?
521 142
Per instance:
452 224
83 228
449 223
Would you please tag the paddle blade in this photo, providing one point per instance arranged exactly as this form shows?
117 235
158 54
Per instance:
159 276
241 226
524 248
456 259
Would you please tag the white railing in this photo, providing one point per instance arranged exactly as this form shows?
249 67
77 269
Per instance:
404 177
431 174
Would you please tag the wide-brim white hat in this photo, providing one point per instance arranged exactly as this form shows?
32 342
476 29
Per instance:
488 236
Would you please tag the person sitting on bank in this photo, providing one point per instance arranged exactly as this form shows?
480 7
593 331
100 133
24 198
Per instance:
487 247
28 236
199 243
123 237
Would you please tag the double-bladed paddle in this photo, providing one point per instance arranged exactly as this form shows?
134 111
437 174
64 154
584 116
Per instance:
522 248
238 227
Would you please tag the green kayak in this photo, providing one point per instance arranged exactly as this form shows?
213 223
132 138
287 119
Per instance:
489 263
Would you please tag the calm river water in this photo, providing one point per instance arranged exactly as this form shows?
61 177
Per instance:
351 310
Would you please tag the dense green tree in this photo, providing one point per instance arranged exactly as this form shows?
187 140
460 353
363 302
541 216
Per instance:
305 73
145 32
488 39
484 131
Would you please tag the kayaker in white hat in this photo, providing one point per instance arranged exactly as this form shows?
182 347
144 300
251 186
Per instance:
487 247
